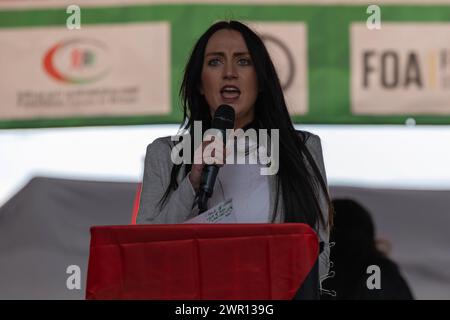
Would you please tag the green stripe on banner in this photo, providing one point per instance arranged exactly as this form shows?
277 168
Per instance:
328 51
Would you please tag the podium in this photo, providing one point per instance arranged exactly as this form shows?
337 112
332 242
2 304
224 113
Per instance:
203 262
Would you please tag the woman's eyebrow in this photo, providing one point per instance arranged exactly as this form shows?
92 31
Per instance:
222 54
241 53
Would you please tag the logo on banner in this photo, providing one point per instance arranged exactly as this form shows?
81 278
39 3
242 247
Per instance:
99 71
286 43
401 69
285 61
76 61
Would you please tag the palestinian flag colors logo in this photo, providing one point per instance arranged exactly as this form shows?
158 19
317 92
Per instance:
77 61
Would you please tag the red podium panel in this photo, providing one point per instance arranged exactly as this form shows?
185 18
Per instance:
200 261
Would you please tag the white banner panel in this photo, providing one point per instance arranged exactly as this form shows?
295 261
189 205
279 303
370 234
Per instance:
287 45
100 70
403 68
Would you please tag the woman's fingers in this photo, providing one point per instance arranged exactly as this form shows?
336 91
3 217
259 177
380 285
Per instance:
207 154
198 155
218 160
211 152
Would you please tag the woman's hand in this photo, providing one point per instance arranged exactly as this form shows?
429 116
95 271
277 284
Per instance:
214 154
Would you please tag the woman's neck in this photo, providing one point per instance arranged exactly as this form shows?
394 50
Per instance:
245 124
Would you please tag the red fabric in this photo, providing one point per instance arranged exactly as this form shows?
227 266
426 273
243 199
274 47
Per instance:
200 261
136 201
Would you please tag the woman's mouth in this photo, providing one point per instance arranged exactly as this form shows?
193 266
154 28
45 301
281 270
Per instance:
230 93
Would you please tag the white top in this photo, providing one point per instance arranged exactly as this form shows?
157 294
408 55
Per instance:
245 185
248 189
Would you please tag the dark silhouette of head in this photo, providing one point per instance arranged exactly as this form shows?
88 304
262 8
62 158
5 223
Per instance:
354 230
355 250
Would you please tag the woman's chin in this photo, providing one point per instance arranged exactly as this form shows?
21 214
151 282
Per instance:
231 102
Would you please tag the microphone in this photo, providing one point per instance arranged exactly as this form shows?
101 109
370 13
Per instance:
223 119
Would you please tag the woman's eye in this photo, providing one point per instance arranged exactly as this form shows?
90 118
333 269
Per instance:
213 62
245 62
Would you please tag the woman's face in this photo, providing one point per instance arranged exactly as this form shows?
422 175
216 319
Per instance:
228 75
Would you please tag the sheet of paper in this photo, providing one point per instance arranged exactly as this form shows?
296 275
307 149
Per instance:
221 213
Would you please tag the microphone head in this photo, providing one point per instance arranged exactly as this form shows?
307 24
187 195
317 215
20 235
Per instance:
223 118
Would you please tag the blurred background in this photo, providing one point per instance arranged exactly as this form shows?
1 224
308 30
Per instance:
80 105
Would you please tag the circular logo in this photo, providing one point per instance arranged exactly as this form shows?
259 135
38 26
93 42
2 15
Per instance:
282 58
77 61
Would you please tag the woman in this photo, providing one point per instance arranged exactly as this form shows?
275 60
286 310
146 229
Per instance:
230 65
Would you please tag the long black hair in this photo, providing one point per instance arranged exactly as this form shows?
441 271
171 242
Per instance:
300 188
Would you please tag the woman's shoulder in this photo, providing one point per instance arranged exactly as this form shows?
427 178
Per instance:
161 143
160 148
310 139
314 145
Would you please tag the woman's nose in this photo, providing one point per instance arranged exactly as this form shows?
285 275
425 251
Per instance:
230 71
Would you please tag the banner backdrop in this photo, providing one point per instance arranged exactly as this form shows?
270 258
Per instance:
125 64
